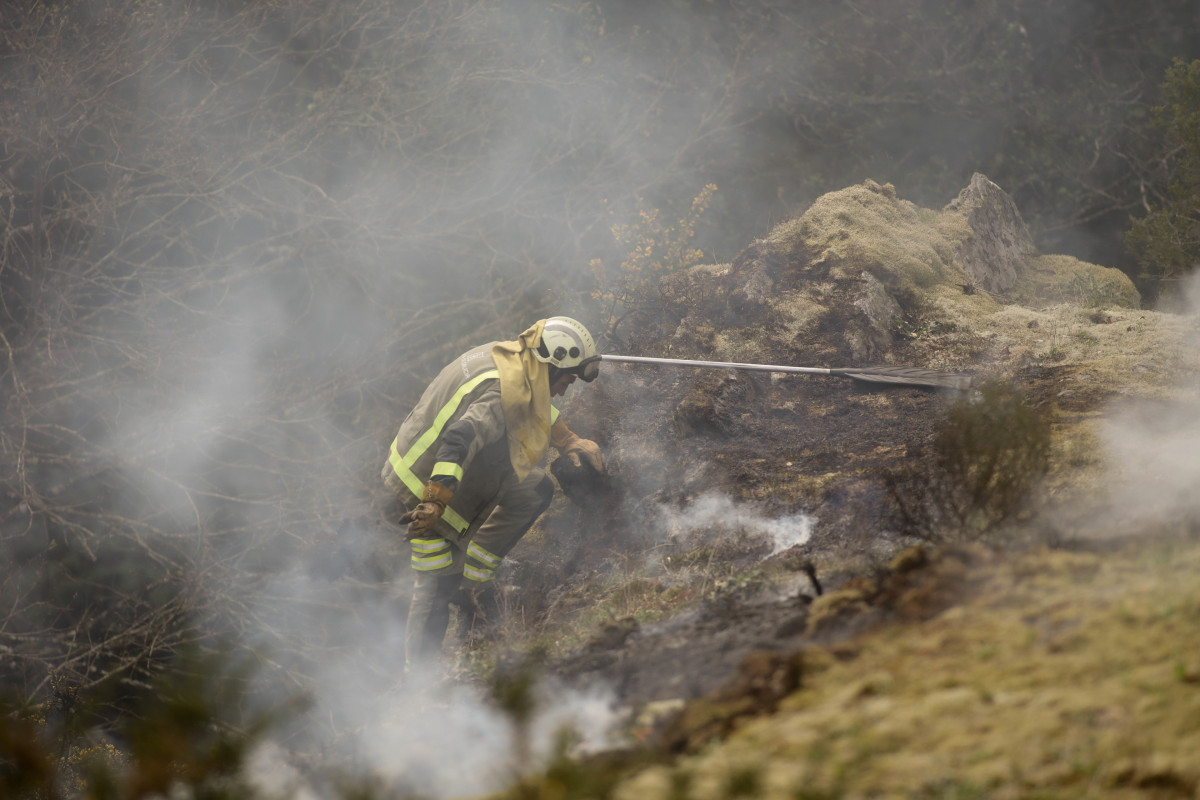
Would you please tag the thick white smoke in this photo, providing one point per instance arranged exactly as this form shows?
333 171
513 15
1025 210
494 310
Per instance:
456 744
417 730
714 514
1153 446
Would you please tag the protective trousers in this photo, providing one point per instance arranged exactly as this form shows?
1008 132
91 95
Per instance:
465 566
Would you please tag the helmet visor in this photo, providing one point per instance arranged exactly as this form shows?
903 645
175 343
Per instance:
588 369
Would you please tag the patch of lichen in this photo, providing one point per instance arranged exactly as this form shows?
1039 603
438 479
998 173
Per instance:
742 345
1064 674
799 311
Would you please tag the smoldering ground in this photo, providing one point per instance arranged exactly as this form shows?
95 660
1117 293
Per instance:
709 518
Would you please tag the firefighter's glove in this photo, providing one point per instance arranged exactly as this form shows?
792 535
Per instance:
575 447
581 448
422 518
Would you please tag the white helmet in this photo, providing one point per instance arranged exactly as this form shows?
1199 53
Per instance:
566 344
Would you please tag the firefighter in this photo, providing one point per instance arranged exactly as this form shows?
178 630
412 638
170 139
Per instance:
465 466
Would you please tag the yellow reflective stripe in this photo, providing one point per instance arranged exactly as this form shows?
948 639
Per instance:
404 473
482 555
429 545
476 574
448 468
402 464
417 488
432 562
455 519
443 416
553 415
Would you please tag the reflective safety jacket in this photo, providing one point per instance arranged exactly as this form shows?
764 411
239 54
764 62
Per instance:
457 436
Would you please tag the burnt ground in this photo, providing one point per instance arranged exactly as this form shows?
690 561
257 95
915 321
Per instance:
694 675
779 445
821 446
690 655
776 445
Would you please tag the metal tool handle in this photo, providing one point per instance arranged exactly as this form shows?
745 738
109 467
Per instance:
878 376
684 362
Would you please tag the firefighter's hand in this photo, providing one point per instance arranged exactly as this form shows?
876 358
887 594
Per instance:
421 519
580 448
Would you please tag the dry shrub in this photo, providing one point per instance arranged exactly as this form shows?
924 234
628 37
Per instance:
988 455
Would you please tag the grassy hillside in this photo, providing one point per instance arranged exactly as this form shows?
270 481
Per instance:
1060 674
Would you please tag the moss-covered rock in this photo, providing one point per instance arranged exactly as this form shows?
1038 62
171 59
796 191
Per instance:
867 227
1050 280
863 272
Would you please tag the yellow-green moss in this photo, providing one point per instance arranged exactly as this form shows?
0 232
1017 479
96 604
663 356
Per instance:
740 345
867 227
799 311
1067 675
828 608
1064 279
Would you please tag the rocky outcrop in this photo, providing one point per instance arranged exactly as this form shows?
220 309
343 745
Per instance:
863 278
863 271
997 250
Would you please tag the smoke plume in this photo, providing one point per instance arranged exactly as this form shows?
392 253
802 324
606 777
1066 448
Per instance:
712 516
1154 445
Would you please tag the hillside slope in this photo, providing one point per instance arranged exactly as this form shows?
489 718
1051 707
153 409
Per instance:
1056 656
1061 674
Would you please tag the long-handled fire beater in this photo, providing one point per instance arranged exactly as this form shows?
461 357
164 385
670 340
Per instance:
892 376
